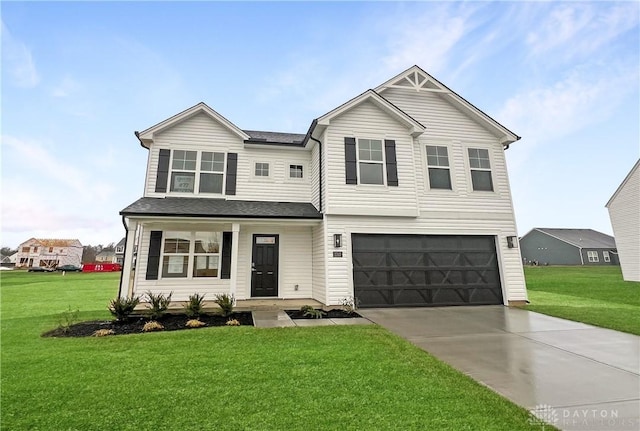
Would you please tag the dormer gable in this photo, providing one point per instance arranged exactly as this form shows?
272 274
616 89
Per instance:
414 127
146 136
416 79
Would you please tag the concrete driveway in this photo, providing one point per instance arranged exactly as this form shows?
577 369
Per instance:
577 376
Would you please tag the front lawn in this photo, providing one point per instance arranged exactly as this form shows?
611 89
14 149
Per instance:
226 378
594 295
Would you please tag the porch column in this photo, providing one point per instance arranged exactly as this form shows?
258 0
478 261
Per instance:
126 285
235 240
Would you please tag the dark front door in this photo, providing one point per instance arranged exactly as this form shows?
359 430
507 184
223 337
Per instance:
264 266
425 270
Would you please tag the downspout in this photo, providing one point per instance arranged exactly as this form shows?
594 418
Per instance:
126 236
581 257
314 123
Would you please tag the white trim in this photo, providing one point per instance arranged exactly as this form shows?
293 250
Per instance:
621 186
593 256
468 168
382 162
425 166
147 135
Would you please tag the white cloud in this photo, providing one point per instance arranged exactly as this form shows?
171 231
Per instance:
65 88
18 61
581 29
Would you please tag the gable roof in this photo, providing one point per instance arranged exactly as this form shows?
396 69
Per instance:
417 79
46 242
146 136
621 186
581 238
220 208
122 242
414 126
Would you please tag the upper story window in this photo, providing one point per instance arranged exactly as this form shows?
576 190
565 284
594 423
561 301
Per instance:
480 169
370 161
26 249
261 170
296 171
605 255
35 249
438 166
50 249
187 175
120 249
593 256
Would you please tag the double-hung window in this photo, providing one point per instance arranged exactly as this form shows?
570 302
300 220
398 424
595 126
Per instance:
295 171
211 172
438 166
370 161
191 254
192 171
605 255
262 169
480 169
593 256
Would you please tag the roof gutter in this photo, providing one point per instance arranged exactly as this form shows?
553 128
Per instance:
140 139
314 123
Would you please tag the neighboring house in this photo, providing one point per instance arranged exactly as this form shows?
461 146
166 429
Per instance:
624 212
544 246
398 197
120 251
106 256
9 261
49 253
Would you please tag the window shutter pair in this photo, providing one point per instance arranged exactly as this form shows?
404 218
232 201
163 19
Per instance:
162 176
155 243
351 161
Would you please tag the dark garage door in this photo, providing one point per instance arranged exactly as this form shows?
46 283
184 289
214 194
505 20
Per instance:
425 270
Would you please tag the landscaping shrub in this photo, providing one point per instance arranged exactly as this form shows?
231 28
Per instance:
152 326
158 305
193 307
103 333
194 323
121 308
233 322
67 318
225 301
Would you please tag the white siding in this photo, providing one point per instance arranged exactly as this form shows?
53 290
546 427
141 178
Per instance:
624 211
278 187
319 290
294 262
315 176
202 133
340 270
368 121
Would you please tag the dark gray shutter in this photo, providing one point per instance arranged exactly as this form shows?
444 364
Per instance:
227 241
392 165
153 261
350 161
232 172
163 171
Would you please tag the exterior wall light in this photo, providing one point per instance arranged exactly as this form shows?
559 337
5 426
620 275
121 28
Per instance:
512 242
337 240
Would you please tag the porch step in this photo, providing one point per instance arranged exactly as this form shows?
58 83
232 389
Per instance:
271 319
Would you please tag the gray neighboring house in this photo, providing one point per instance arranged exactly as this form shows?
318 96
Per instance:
548 246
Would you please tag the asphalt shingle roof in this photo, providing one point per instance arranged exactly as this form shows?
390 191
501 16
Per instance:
584 238
206 207
258 136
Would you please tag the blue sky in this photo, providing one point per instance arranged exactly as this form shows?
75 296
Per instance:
79 78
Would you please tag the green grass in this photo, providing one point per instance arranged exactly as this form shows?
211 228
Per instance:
243 378
594 295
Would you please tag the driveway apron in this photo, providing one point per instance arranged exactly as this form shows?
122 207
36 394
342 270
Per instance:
575 376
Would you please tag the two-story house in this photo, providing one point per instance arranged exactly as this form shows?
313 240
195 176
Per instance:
398 197
49 253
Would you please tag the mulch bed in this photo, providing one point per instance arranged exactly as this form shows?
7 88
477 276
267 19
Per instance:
334 313
171 322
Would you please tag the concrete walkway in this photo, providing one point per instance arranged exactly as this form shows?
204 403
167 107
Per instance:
576 376
280 319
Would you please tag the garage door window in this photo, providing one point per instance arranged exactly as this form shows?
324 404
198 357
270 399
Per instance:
480 169
438 165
